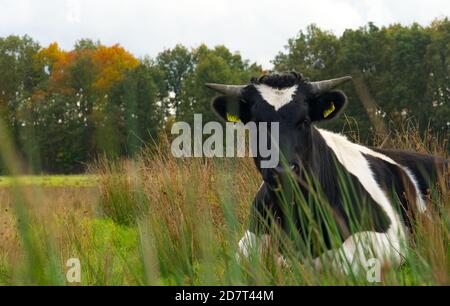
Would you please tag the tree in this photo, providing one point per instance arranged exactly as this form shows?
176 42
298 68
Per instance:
176 64
17 64
313 53
19 72
437 60
61 124
52 132
111 63
134 112
216 65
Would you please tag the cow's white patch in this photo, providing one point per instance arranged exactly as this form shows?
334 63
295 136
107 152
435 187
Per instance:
355 254
389 246
246 244
250 243
419 201
276 97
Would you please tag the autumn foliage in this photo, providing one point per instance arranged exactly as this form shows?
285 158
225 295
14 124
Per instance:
110 65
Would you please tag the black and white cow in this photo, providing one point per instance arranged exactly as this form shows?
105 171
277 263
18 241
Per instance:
378 175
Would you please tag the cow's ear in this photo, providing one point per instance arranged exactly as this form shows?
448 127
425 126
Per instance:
327 105
232 109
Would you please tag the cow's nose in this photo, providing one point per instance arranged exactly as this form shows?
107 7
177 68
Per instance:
293 167
274 175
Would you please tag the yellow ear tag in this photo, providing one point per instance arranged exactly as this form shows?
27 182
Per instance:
232 118
329 111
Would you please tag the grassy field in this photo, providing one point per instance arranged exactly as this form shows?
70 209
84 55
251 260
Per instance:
158 220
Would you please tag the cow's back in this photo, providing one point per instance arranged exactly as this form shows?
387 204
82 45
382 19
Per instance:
426 168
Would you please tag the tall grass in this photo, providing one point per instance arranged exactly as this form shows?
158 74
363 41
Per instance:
158 220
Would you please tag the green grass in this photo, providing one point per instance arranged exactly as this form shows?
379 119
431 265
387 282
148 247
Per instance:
49 180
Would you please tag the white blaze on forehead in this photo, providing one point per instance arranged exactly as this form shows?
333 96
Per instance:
276 97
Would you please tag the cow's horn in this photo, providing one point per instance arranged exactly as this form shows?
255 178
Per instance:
326 85
229 90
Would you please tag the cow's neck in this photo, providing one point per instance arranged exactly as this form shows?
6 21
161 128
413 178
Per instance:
321 164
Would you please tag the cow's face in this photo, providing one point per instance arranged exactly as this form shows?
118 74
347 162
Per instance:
291 102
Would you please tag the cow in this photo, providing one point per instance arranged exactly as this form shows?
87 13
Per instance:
390 184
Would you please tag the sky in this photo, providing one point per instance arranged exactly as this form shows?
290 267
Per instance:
258 29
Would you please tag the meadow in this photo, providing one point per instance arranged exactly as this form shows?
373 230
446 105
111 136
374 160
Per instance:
158 220
136 215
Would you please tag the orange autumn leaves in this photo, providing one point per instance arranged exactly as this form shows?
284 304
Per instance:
111 63
107 65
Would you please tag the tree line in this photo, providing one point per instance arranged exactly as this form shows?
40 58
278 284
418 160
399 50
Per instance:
64 108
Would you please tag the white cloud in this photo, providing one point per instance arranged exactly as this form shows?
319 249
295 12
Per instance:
257 28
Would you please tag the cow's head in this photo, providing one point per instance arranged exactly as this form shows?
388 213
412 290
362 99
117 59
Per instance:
291 101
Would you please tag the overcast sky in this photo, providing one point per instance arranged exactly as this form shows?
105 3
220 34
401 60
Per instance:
259 29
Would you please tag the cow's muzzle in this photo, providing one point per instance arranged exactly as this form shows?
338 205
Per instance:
279 176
